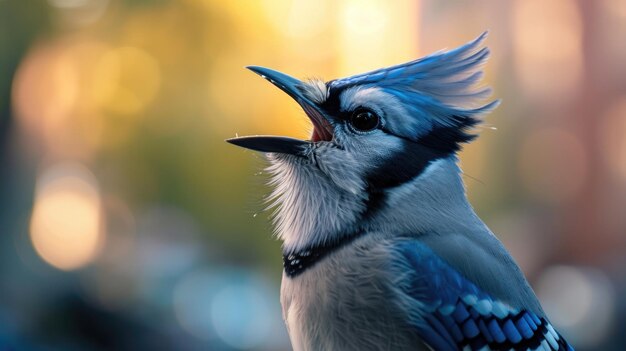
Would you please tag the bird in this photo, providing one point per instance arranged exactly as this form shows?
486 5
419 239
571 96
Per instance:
381 248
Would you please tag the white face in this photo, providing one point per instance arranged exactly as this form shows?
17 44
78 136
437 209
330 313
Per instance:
374 133
327 191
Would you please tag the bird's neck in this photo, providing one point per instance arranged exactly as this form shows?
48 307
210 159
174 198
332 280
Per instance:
434 202
313 211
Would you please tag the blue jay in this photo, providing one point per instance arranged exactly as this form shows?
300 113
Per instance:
381 249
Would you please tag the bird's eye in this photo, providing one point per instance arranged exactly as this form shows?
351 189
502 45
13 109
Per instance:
364 120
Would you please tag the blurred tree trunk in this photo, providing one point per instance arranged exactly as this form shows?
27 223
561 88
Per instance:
590 222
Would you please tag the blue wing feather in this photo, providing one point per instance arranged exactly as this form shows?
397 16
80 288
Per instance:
460 316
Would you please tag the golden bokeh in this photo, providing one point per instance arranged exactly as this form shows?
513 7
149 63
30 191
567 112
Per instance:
114 109
364 32
126 81
46 91
65 226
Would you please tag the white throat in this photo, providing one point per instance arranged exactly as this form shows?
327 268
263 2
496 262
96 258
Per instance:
312 209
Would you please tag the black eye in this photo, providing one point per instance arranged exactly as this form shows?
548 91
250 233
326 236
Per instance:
364 120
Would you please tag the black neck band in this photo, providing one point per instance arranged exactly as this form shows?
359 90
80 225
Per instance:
297 262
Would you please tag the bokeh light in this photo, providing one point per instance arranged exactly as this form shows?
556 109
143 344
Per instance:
365 29
193 304
241 312
126 216
66 221
127 79
613 137
299 19
548 51
46 90
54 97
237 307
581 302
73 13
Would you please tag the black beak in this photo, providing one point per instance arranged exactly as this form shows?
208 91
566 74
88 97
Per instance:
279 144
270 143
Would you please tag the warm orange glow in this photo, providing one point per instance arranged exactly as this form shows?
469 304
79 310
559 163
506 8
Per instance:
375 33
65 223
45 90
299 19
126 80
615 7
54 99
548 47
613 130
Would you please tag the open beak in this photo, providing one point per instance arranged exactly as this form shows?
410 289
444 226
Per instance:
322 130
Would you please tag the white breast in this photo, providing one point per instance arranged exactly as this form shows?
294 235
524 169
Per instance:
347 302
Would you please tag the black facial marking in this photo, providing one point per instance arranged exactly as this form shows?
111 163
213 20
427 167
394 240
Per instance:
415 156
403 166
449 139
375 201
332 104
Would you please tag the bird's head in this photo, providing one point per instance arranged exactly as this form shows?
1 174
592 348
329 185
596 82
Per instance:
372 134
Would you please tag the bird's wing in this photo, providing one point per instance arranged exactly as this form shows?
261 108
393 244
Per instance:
456 314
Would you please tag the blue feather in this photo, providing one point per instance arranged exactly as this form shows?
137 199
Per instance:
461 316
437 88
524 328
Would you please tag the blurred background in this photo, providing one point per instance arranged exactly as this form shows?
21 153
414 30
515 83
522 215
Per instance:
126 222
